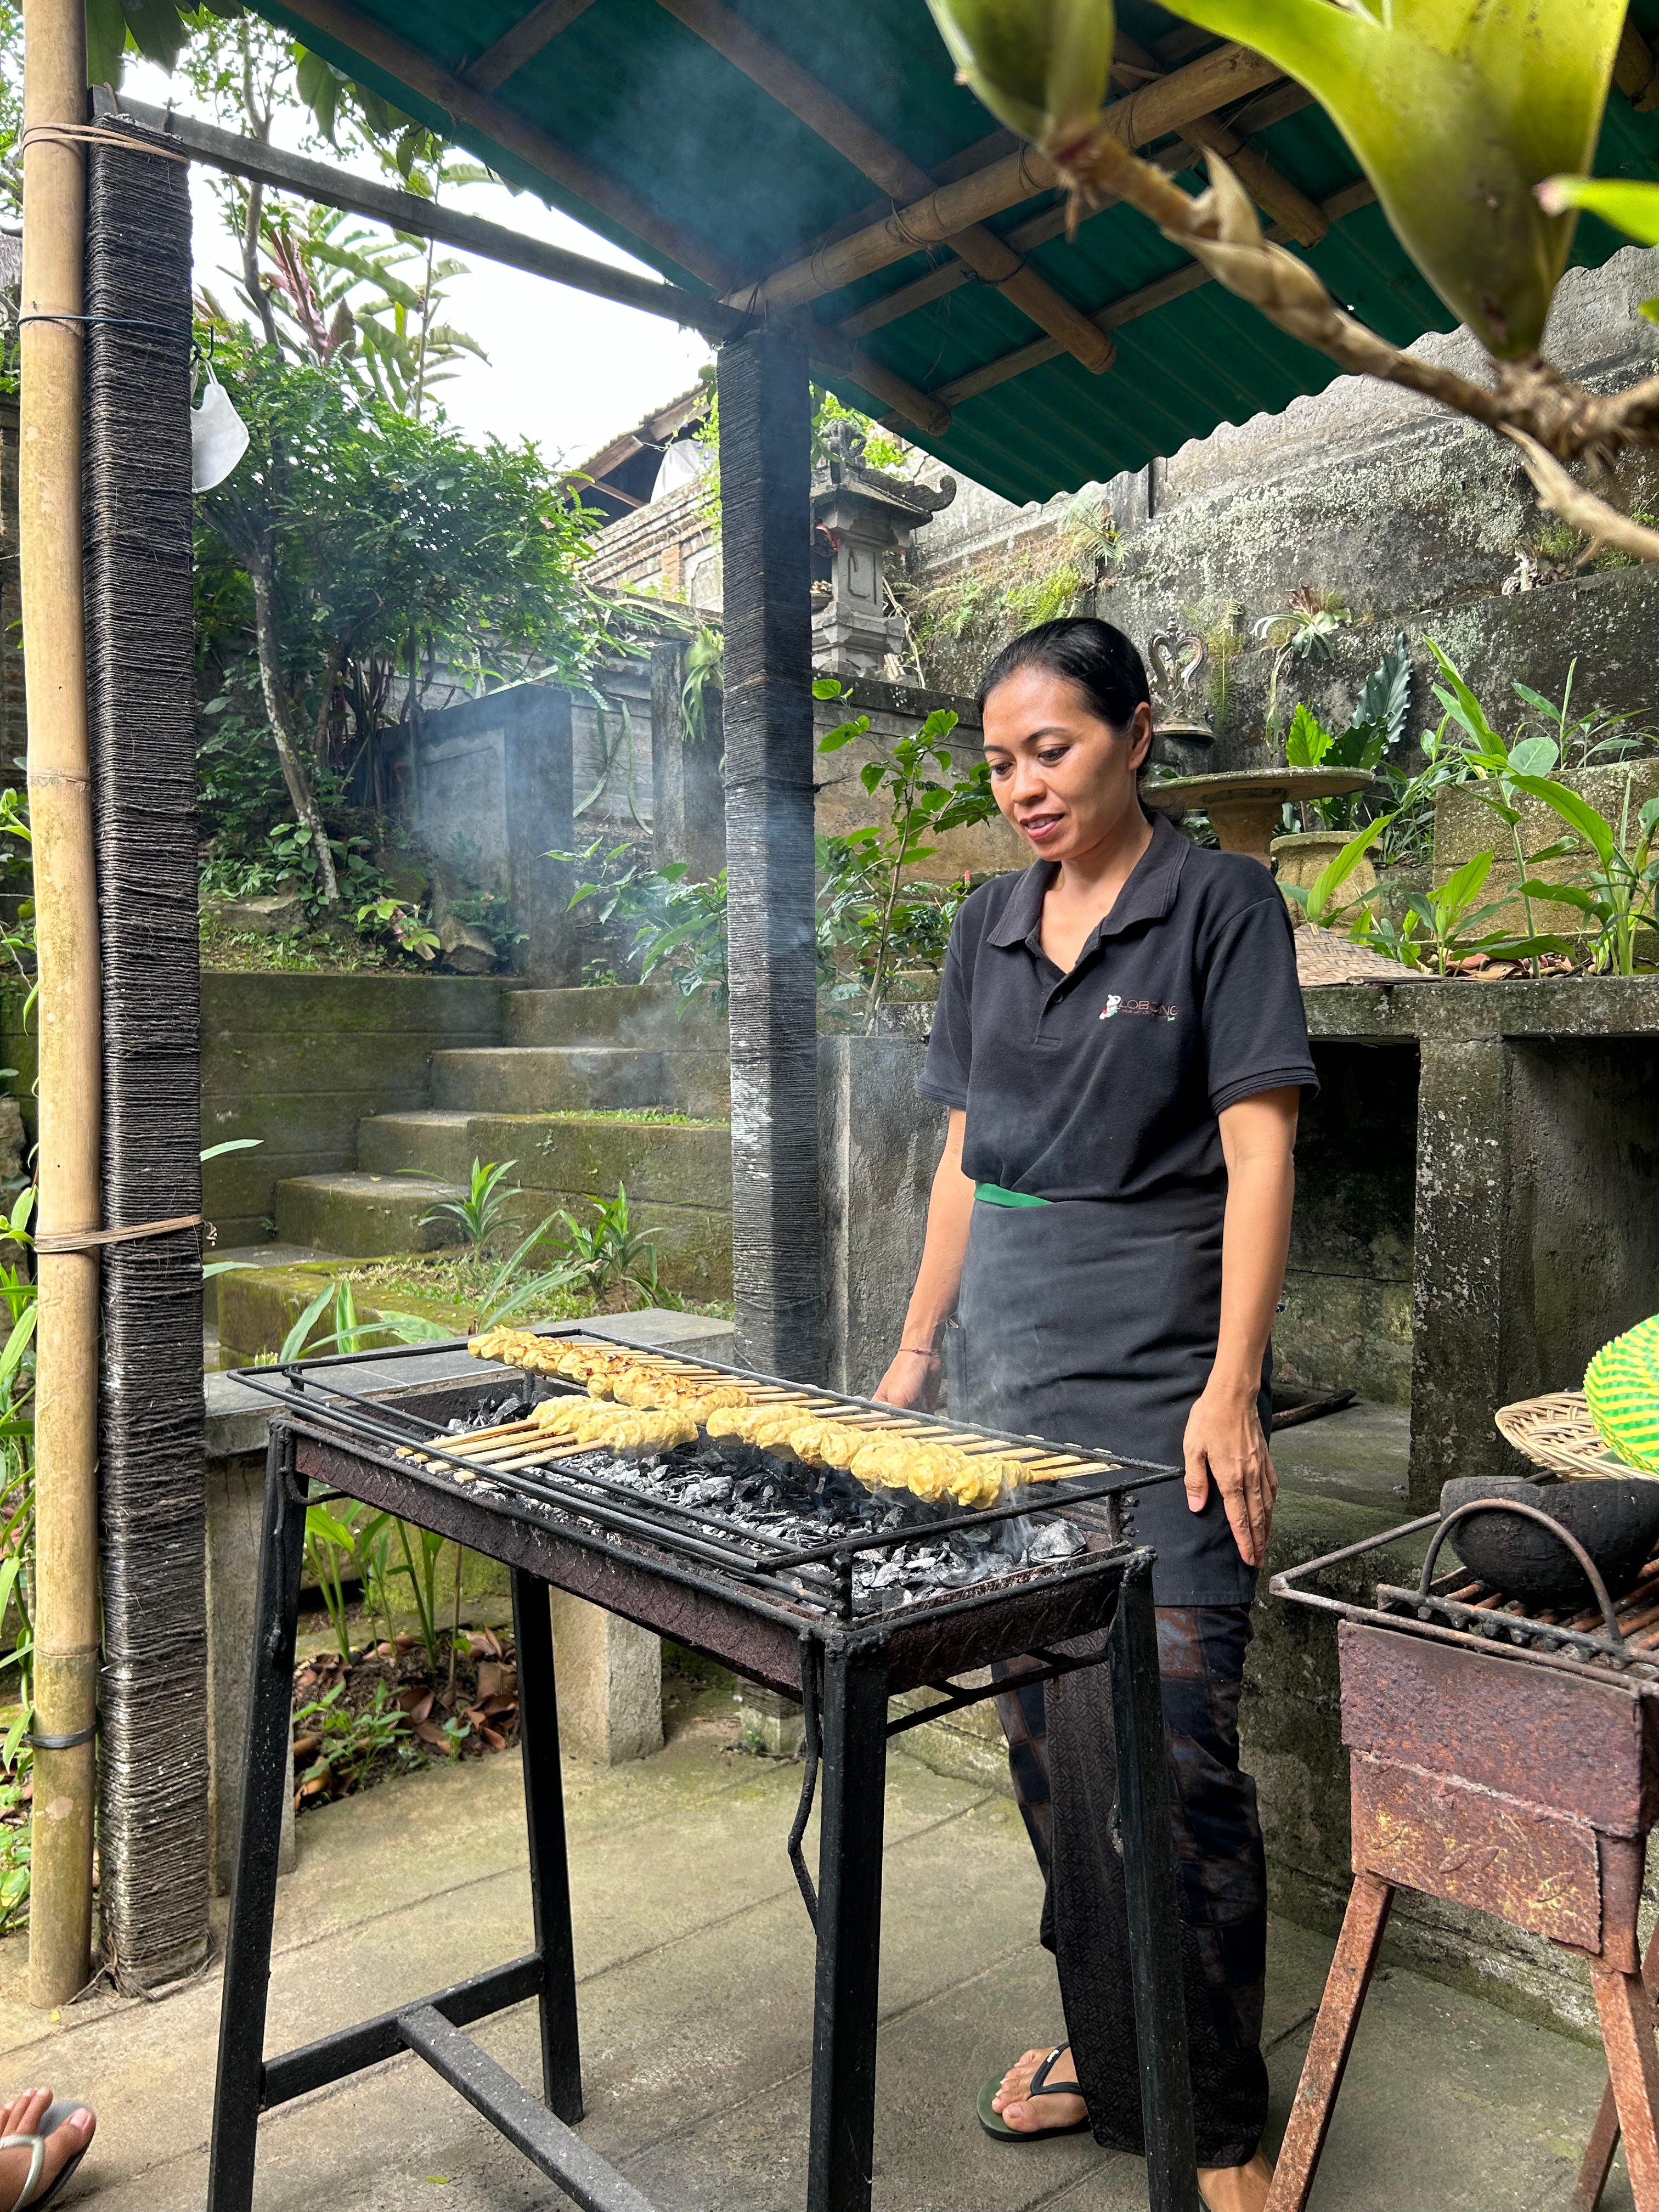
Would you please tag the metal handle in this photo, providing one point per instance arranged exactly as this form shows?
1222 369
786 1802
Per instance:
1598 1588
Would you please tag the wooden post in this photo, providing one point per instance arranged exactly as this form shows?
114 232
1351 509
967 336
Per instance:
66 923
765 447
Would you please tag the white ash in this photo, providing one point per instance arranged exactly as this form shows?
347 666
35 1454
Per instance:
797 1508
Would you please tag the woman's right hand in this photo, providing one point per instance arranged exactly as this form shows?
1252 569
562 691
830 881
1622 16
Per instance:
912 1380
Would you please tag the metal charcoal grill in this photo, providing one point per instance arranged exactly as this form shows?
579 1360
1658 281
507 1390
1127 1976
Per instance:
1507 1757
782 1590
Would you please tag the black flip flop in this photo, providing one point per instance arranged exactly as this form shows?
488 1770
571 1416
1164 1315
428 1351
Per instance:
995 2124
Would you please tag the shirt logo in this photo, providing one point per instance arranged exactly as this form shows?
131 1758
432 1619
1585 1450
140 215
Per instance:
1116 1005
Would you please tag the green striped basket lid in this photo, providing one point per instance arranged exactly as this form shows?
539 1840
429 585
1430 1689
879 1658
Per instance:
1621 1387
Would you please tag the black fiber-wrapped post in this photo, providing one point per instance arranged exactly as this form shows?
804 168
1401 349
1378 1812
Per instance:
765 415
152 1765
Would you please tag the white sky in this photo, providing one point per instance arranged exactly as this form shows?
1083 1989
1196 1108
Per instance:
567 370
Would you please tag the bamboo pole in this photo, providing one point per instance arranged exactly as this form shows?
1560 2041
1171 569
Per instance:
829 118
66 923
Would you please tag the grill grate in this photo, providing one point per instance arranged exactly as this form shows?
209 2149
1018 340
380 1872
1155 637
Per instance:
580 1485
1459 1608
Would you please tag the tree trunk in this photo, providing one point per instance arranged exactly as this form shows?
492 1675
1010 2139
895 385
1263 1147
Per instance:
300 794
765 448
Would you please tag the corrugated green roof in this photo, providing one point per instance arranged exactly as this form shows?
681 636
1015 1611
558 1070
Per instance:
633 95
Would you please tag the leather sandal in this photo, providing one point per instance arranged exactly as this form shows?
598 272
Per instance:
993 2123
52 2119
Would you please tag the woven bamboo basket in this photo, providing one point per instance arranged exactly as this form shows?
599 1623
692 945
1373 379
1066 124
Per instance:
1556 1431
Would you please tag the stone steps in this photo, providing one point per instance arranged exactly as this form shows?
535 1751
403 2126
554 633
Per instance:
637 1014
361 1217
675 1164
543 1078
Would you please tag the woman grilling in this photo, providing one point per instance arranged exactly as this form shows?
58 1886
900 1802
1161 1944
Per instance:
1120 1042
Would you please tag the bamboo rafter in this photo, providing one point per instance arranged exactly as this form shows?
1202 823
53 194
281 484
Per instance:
985 255
1213 81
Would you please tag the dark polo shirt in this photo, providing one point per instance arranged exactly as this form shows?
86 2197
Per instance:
1106 1082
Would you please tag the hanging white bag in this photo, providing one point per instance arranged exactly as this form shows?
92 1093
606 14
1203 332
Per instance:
218 437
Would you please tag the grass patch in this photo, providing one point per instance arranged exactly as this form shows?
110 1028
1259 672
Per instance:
461 1278
301 952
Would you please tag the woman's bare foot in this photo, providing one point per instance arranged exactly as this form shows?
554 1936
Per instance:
22 2116
1042 2112
1236 2188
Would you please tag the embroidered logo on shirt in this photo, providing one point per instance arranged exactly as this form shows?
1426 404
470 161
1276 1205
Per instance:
1115 1005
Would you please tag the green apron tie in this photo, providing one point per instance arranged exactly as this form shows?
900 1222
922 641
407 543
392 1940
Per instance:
995 1194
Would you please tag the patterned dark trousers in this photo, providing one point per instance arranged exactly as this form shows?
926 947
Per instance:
1061 1749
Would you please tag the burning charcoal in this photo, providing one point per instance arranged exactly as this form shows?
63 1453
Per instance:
1055 1539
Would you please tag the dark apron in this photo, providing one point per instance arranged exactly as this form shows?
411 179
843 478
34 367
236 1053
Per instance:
1094 1322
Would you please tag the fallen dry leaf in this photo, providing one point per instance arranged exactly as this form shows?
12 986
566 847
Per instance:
492 1708
495 1739
496 1679
429 1732
306 1747
416 1702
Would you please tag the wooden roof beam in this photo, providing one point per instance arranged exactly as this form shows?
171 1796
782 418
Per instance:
409 66
1272 106
1280 200
1128 309
1216 79
1634 70
522 43
830 119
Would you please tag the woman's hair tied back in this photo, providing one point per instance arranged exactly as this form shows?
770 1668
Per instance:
1094 655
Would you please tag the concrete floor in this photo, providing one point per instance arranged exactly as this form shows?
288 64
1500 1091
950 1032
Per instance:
696 1964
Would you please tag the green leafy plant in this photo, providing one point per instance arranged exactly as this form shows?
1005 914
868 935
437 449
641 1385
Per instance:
926 793
420 1570
1618 888
1301 631
704 682
344 1746
1376 726
480 1216
605 1251
402 923
679 926
329 1548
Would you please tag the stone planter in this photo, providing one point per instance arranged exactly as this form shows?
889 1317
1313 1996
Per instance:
1302 857
1463 827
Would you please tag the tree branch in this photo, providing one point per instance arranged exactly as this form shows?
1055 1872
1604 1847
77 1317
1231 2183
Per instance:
304 799
1582 510
1529 400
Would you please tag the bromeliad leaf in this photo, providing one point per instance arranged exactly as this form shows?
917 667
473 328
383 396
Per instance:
1456 112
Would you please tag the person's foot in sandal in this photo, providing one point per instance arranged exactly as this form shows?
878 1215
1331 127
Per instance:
41 2144
1236 2188
1038 2096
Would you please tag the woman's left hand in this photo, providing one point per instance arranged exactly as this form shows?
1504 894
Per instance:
1224 1444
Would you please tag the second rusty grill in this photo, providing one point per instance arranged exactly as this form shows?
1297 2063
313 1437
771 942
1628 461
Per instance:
1506 1758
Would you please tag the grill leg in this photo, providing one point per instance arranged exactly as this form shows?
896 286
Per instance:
1332 2038
854 1737
1604 2135
1626 2019
549 1870
237 2092
1143 1797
